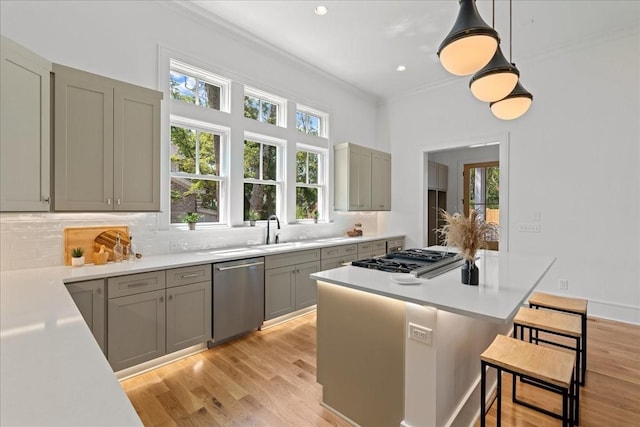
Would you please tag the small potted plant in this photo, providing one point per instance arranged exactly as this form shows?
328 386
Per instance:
191 218
77 257
315 216
253 217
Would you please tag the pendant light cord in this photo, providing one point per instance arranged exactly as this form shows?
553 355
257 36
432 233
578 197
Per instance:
510 33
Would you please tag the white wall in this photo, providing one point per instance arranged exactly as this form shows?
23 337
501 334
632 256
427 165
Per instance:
574 165
122 40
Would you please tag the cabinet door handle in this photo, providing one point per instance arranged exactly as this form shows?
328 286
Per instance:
99 291
45 199
135 285
118 202
161 299
170 297
109 201
187 276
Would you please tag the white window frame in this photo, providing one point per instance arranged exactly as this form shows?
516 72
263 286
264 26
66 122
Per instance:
280 145
322 184
222 178
281 117
203 75
323 132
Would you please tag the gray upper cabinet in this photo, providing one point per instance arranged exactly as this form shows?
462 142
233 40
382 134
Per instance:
438 176
362 179
25 130
107 144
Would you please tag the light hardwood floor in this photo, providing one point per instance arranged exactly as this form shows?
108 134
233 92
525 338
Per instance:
267 378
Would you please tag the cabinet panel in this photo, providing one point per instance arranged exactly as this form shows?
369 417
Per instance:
136 149
306 288
186 275
188 315
83 152
25 129
279 295
380 181
136 329
90 298
291 258
136 283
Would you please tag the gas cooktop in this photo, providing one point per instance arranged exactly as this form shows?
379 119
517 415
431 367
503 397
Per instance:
418 262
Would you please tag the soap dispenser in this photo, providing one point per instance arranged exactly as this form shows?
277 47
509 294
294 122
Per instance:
117 250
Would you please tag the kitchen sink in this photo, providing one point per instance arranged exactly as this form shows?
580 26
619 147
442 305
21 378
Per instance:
283 245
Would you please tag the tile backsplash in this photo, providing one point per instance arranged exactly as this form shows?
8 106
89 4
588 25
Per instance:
36 240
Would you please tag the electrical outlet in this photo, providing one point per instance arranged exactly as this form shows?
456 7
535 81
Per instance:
530 227
563 284
420 333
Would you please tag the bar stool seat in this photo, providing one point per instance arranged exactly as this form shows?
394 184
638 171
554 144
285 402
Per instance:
576 306
552 322
554 369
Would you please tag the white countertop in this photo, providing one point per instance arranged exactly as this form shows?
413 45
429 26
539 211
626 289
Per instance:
506 279
52 371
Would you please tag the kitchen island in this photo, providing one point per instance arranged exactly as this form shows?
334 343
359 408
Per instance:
408 354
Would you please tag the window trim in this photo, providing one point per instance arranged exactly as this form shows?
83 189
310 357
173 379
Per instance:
322 185
324 120
279 182
281 117
214 79
222 178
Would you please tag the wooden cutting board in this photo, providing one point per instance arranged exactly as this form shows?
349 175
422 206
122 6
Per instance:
85 238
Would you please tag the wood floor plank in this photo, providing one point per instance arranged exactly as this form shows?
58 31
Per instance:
267 379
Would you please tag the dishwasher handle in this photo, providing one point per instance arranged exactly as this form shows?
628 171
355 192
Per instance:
233 267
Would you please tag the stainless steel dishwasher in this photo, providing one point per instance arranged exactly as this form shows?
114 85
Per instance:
238 297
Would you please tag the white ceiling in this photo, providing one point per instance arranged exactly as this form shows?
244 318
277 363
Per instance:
362 42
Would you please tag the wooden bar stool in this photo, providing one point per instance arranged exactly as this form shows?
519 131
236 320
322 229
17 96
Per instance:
575 306
552 322
553 369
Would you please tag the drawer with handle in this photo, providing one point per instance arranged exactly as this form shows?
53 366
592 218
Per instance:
187 275
339 251
135 284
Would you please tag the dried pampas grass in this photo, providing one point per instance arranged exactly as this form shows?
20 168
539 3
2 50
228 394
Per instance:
467 233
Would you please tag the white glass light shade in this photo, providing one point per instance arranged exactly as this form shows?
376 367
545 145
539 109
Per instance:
470 44
513 105
468 55
496 80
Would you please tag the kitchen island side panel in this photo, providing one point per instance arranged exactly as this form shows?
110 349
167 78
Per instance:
361 355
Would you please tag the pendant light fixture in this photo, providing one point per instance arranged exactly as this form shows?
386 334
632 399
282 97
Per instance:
513 105
470 44
516 103
498 78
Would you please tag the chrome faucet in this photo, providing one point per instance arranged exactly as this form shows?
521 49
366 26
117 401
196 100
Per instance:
277 236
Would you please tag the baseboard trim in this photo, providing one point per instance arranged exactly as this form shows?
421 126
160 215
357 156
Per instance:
285 318
613 311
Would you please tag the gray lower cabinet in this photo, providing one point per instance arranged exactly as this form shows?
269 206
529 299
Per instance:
188 307
136 313
89 296
372 249
287 284
157 313
337 256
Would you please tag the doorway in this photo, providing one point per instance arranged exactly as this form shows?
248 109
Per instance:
481 184
456 155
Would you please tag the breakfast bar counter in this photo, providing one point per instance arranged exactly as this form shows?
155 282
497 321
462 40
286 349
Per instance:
399 350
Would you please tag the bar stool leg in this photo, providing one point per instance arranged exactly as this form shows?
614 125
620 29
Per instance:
584 349
483 397
499 397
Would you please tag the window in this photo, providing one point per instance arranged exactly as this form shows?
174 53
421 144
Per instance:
311 121
194 86
310 187
261 174
197 179
264 107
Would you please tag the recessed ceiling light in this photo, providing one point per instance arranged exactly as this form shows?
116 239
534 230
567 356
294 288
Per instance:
401 68
321 10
